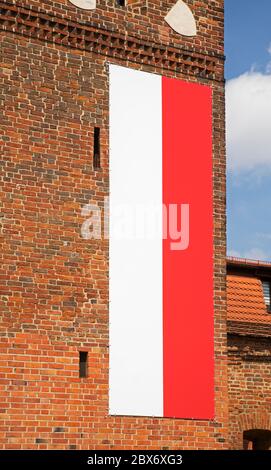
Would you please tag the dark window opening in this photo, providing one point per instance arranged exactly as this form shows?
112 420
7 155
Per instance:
96 153
121 3
257 439
267 294
83 364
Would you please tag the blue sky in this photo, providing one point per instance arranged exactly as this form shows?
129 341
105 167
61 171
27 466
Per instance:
248 106
247 35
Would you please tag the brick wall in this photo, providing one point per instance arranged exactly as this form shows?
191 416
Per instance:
249 386
54 284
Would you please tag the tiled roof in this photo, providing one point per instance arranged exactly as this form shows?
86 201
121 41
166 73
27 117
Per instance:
245 300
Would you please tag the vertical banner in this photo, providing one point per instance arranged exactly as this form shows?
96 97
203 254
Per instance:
161 247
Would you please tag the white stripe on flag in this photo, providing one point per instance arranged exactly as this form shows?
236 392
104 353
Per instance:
136 316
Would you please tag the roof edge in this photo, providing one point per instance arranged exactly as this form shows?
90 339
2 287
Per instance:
231 260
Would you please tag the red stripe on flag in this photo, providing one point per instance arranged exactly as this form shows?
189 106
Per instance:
188 341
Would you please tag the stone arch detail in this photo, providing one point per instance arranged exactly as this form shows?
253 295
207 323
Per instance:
258 420
261 419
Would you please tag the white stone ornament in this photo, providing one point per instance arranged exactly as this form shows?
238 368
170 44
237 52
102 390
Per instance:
181 19
84 4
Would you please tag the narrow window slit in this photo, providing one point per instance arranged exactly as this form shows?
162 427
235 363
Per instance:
267 294
83 364
96 153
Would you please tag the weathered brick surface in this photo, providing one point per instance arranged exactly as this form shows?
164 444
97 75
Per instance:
54 284
144 19
249 386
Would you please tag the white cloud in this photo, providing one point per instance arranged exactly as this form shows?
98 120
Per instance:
256 253
234 253
248 121
253 254
265 236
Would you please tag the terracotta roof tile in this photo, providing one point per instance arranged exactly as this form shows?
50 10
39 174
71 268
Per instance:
245 300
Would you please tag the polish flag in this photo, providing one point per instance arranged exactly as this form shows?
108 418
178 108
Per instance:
161 264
